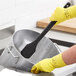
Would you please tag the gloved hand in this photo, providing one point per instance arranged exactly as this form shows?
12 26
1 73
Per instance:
49 64
62 14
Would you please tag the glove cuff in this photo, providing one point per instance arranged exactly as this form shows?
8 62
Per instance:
71 12
57 61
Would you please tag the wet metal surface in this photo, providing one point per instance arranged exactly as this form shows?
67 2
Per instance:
5 36
6 32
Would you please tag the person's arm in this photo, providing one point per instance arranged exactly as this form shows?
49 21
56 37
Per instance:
69 56
60 60
62 14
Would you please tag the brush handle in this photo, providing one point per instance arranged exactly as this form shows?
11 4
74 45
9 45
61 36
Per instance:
50 25
68 4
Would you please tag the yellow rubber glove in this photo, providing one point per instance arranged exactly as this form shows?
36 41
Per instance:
49 64
62 14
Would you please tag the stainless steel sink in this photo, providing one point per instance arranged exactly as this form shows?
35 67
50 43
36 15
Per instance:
5 35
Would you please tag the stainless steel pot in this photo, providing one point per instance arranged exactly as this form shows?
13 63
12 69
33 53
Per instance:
11 57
